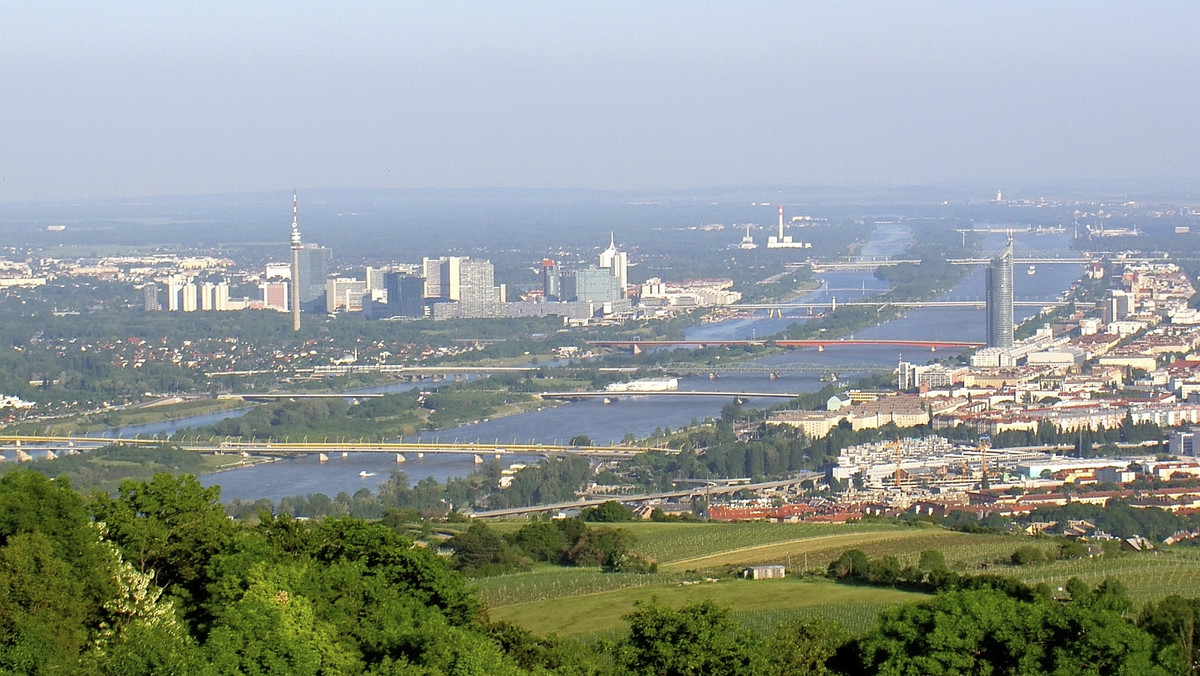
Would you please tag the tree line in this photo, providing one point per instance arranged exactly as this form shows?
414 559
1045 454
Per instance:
156 579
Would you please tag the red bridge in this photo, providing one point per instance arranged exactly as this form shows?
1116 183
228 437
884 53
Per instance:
819 344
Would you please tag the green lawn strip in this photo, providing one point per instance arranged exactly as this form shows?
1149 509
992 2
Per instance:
601 613
857 618
673 542
964 552
820 549
546 582
670 542
682 546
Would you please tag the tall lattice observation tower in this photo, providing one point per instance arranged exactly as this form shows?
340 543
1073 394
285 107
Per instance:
295 266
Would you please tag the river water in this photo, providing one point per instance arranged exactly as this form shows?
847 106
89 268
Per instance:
641 416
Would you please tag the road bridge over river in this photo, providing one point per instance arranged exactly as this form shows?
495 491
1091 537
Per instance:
286 447
285 396
867 264
693 369
708 488
604 394
834 304
819 344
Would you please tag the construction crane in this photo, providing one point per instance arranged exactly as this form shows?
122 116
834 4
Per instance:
985 442
899 456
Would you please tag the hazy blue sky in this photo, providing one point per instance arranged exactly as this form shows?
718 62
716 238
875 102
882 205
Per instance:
147 98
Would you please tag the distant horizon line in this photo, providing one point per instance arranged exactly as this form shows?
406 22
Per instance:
1175 183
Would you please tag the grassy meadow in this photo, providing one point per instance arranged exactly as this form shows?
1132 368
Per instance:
699 561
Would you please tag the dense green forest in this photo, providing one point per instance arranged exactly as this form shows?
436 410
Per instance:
156 579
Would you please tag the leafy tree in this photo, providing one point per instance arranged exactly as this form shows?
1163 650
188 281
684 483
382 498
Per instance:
479 550
608 512
541 541
852 563
1072 549
1174 623
988 631
43 612
698 639
932 560
548 653
55 575
394 559
171 526
31 503
600 547
884 570
804 646
141 634
274 630
1027 554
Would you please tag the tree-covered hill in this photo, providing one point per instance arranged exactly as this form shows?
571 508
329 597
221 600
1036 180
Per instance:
156 579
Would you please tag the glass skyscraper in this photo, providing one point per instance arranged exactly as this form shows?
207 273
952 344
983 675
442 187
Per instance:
1000 299
405 295
314 270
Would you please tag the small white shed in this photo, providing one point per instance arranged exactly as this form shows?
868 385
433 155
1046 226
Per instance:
764 572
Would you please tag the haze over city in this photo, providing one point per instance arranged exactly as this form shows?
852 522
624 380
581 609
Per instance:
121 99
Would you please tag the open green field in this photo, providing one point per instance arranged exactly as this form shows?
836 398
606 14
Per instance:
758 603
716 547
587 602
572 601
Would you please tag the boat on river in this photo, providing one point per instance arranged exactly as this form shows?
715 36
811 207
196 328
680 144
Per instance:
645 385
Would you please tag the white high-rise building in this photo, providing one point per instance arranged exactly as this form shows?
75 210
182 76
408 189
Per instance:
207 296
471 288
189 296
346 294
278 271
374 278
617 263
221 299
434 270
174 287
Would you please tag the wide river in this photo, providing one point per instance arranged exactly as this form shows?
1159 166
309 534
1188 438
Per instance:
641 416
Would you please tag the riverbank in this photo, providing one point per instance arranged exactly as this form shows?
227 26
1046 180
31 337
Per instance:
413 411
146 414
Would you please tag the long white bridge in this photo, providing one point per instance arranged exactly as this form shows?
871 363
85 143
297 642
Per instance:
867 264
880 304
605 394
714 487
27 444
